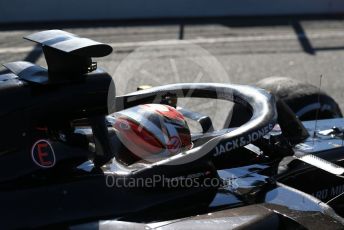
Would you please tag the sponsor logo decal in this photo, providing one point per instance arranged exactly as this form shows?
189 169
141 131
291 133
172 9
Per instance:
242 141
328 193
42 154
174 144
123 124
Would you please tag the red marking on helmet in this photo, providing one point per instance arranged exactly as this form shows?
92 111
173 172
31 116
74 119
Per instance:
141 137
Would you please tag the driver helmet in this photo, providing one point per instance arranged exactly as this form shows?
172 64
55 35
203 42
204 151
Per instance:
151 132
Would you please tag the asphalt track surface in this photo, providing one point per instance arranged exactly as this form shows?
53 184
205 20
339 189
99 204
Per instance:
232 50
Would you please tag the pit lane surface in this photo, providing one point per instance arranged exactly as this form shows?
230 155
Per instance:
248 49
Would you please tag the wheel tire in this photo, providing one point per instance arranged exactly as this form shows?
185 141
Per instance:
305 100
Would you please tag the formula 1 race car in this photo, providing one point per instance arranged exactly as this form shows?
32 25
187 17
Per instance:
73 155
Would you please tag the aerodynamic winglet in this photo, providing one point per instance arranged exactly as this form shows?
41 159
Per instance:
70 43
28 72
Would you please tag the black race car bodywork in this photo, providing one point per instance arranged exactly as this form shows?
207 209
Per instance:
60 157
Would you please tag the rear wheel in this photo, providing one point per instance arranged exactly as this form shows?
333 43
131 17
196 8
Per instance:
305 100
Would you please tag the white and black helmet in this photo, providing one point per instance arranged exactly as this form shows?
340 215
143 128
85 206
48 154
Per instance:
151 132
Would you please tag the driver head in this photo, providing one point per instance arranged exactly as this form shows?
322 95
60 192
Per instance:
151 132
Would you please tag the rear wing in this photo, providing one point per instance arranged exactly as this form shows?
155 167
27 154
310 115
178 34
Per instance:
68 57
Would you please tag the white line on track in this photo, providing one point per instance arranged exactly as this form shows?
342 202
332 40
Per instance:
310 35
